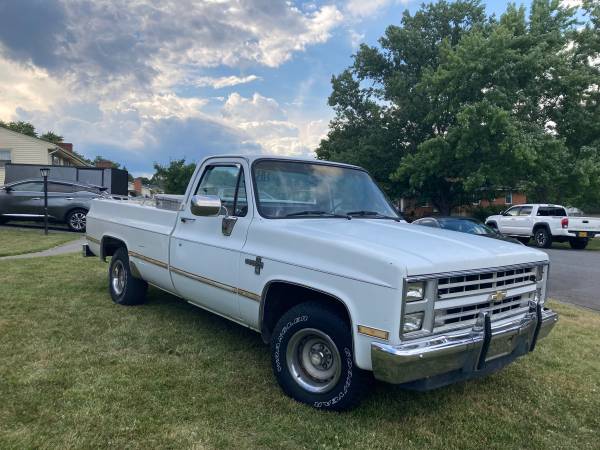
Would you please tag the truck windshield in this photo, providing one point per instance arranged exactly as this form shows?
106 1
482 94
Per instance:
295 189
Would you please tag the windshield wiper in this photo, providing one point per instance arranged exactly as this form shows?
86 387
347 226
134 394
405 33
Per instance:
319 214
373 214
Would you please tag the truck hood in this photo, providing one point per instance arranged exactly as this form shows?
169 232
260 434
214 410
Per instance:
417 250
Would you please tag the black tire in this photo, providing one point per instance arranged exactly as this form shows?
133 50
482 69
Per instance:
578 243
76 220
524 240
124 288
542 238
493 225
332 342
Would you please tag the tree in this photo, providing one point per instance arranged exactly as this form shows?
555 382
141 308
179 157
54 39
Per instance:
454 105
20 127
52 137
173 178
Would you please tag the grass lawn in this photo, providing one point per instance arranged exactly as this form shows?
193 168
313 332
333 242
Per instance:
16 241
77 371
593 244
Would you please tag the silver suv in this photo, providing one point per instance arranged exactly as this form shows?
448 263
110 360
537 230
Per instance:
67 202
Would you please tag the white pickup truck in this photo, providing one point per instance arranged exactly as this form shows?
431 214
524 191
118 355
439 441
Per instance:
545 223
311 255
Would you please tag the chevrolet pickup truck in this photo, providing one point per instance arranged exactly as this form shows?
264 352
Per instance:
312 256
546 224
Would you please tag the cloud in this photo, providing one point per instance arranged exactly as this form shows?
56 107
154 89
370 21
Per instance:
221 82
116 74
267 124
366 8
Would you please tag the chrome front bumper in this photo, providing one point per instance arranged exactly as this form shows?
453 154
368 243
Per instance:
445 359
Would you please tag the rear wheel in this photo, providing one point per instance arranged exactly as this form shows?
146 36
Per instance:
312 358
543 239
76 220
578 243
124 288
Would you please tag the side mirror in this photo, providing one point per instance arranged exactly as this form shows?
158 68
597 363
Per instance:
205 205
7 188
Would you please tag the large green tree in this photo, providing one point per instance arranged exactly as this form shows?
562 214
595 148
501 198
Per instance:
20 127
454 105
174 177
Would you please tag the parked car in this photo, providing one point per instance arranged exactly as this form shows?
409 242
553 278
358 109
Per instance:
464 225
545 223
67 202
311 255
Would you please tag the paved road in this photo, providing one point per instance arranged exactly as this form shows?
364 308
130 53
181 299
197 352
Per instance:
575 277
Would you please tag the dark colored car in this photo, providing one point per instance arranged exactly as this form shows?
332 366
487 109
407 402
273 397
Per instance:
464 225
68 202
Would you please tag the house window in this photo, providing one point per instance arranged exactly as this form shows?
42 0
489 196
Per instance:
4 156
508 198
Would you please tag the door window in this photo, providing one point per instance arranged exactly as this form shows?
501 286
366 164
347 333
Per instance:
512 211
59 187
228 183
33 186
525 210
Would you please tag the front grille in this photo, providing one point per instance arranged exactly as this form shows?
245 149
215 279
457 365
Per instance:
465 316
459 286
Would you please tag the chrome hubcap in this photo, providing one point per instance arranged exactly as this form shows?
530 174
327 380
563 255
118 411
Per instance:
77 221
541 239
118 278
314 360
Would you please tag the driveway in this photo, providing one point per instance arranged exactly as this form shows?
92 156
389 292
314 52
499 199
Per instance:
575 277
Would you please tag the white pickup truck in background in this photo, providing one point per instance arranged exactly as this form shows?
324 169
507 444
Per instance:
312 256
546 224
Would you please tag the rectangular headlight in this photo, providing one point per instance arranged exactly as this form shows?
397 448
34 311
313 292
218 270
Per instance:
539 273
413 322
415 291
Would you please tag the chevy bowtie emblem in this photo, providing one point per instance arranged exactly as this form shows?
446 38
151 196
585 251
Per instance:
498 296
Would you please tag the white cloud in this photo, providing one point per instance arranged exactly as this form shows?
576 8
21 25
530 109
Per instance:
262 119
366 8
221 82
111 72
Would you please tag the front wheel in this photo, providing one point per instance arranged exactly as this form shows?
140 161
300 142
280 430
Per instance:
124 288
76 220
312 358
578 243
543 239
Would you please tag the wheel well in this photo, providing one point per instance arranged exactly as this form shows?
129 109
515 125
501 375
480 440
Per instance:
74 209
537 226
281 296
110 245
492 224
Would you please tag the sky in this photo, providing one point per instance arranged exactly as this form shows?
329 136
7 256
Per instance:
144 81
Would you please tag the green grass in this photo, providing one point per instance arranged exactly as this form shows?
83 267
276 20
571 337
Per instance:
17 242
593 244
77 371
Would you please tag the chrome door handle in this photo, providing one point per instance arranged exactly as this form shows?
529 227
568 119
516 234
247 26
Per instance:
69 198
36 198
187 219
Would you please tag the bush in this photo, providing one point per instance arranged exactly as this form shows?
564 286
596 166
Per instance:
483 212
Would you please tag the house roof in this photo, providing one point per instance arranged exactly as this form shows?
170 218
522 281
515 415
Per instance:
51 147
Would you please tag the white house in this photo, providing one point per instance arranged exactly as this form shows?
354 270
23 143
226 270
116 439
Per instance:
22 149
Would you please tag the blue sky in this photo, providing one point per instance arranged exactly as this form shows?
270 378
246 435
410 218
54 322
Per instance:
140 81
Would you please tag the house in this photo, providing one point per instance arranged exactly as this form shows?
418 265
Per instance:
138 189
22 149
413 209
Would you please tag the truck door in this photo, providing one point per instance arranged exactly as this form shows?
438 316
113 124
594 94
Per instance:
523 225
205 251
507 223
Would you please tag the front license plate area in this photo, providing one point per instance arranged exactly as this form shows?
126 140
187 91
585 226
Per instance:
501 347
